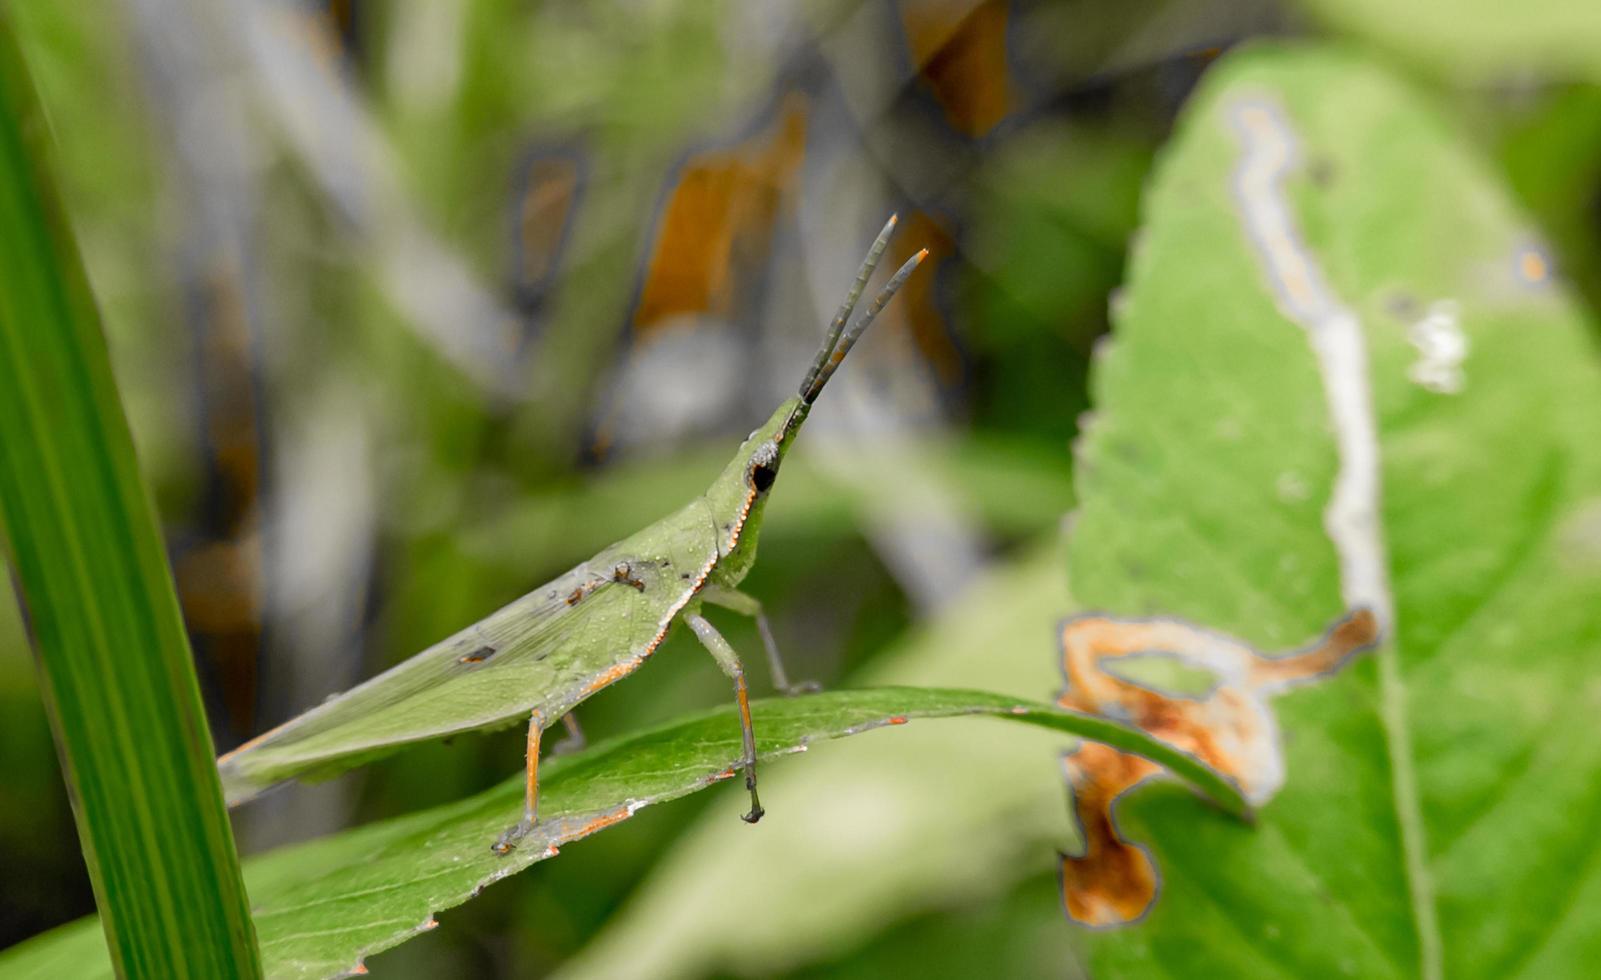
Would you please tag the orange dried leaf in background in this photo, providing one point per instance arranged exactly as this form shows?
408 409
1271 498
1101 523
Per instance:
1230 727
959 48
219 573
917 314
550 187
721 212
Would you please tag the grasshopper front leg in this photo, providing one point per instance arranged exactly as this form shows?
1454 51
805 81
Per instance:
729 660
748 605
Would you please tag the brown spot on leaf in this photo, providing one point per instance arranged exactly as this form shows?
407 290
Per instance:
1111 882
1231 728
1532 266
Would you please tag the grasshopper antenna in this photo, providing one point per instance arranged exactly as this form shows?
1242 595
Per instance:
845 308
863 320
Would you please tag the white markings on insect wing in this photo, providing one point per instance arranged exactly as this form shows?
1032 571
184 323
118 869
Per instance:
1268 152
1441 347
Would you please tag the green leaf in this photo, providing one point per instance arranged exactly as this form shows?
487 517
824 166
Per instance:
1478 40
1343 375
89 566
322 907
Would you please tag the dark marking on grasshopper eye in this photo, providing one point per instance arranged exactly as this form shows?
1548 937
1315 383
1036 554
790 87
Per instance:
762 477
477 655
684 576
762 470
624 573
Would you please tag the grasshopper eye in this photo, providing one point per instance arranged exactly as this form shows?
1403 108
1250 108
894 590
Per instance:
762 477
763 468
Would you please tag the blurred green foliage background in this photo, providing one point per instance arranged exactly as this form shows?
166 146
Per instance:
416 304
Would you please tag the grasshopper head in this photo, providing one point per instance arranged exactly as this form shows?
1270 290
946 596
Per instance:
744 485
766 447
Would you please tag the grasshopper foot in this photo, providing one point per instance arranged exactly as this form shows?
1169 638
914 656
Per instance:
756 811
508 841
799 688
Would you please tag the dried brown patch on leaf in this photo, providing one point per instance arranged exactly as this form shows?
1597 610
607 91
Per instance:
1112 882
1230 726
922 331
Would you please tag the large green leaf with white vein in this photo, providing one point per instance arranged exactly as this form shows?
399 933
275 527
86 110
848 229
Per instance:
1344 373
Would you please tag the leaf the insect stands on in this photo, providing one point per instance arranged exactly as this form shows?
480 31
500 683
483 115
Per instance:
323 907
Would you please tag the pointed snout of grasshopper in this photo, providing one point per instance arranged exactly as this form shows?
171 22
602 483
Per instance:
844 332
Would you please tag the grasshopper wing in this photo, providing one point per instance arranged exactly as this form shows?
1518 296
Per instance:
548 650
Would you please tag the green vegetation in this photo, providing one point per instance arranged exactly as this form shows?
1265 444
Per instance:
113 658
1244 315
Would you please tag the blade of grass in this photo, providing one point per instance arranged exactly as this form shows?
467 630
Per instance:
88 563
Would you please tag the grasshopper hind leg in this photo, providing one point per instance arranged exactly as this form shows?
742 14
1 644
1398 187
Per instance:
727 659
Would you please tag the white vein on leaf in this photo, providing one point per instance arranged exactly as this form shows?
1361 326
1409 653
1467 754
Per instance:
1268 154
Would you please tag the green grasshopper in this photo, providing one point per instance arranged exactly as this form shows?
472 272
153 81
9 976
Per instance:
545 653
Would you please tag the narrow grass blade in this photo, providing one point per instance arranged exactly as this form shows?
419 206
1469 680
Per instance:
89 566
